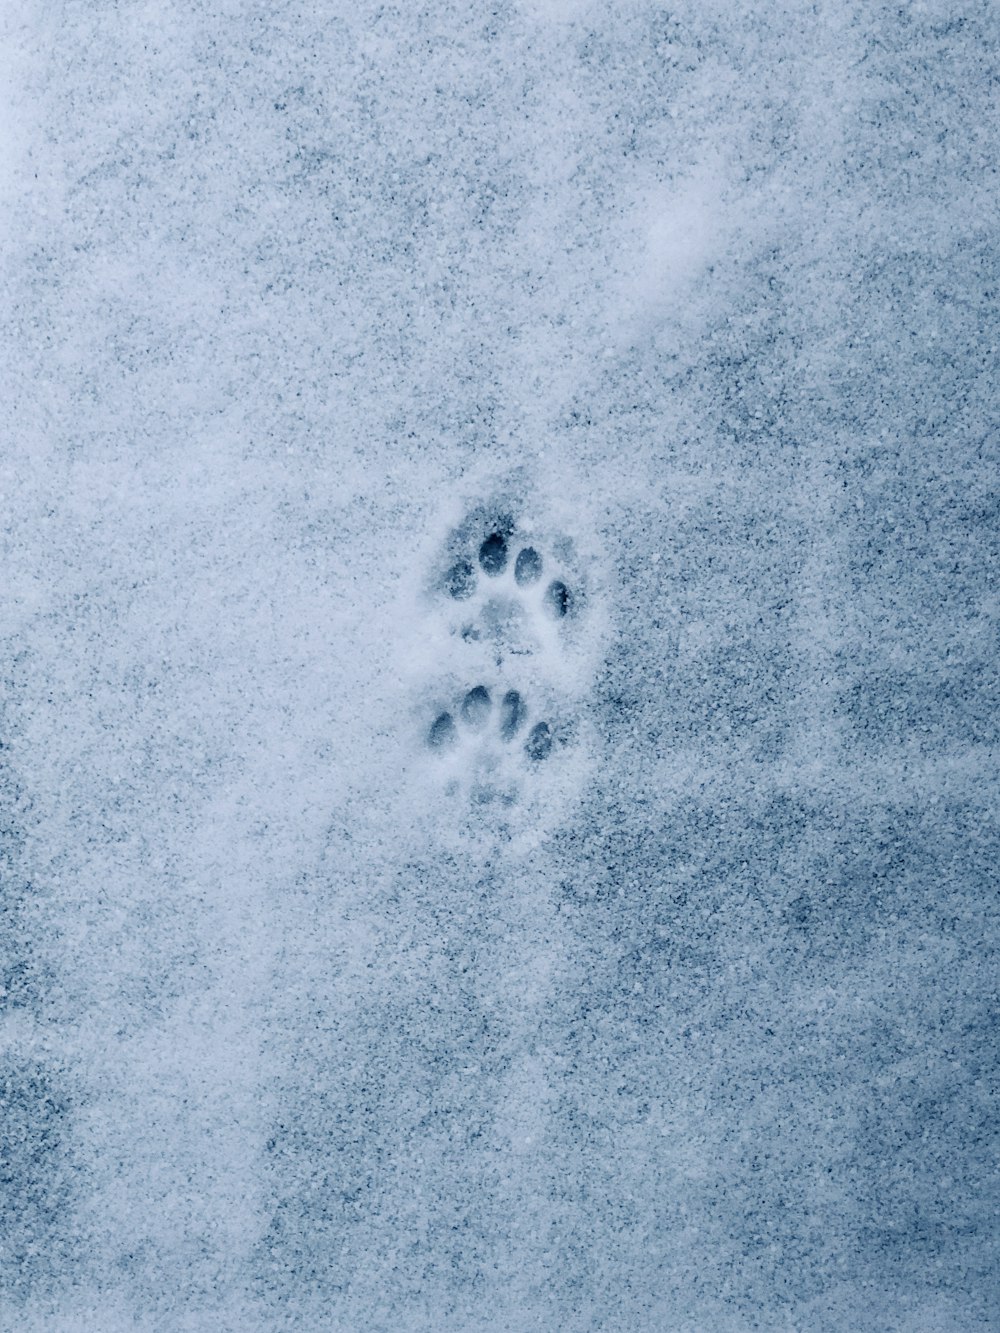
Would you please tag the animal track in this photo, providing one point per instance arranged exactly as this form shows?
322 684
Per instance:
527 567
494 555
512 602
512 714
475 713
508 590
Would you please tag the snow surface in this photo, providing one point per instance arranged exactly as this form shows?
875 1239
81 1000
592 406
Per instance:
690 1024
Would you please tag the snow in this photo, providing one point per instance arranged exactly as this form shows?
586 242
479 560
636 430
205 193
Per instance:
686 1023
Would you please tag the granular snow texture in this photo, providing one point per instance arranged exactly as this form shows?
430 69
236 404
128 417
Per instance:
499 701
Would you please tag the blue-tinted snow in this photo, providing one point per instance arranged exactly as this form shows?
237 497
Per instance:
688 1023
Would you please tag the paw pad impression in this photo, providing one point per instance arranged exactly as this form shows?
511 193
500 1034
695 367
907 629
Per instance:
461 579
509 591
473 715
513 623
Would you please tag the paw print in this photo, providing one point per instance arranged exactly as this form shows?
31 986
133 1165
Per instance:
494 562
507 592
510 638
475 718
